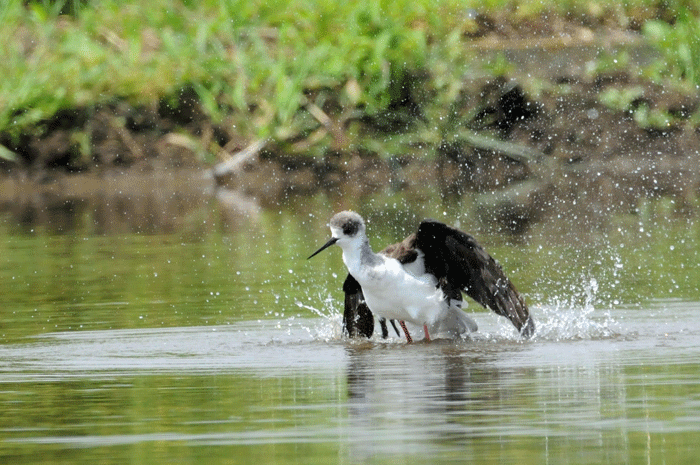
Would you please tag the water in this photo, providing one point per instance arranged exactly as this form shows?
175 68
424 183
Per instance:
216 341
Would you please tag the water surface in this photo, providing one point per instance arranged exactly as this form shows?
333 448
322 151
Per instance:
215 341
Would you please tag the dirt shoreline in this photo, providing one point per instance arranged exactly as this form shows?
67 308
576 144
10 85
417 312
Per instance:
550 148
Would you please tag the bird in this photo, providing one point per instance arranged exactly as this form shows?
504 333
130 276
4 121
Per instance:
420 280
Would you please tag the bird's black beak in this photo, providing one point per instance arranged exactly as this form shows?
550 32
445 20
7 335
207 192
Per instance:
332 241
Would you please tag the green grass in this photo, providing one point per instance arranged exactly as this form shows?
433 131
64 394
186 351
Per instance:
679 43
237 54
255 65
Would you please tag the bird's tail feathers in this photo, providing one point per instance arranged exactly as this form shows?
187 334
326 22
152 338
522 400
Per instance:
465 322
455 324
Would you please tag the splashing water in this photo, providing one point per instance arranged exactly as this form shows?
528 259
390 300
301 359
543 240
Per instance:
330 326
580 311
575 317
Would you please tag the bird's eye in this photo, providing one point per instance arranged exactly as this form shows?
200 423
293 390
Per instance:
350 228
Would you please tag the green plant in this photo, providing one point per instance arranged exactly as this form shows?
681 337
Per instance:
679 43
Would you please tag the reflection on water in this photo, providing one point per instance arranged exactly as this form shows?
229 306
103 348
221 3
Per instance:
285 389
533 402
206 337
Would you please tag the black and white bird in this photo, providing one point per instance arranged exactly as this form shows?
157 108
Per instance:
420 280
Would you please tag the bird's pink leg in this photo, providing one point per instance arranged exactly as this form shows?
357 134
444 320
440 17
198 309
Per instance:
427 336
405 330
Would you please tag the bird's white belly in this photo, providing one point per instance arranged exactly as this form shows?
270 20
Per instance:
395 292
405 297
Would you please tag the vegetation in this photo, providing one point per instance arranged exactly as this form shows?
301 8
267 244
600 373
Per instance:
237 55
678 40
284 69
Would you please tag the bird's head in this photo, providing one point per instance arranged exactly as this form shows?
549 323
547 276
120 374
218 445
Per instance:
347 227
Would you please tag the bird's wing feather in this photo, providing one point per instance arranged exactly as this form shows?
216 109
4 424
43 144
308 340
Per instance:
459 262
357 318
404 251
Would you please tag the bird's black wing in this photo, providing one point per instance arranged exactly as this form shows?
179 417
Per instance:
460 263
357 318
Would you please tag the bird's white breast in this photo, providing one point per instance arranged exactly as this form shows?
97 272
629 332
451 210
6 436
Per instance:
393 292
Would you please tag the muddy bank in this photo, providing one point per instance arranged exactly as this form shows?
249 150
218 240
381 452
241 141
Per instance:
546 139
542 156
559 153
